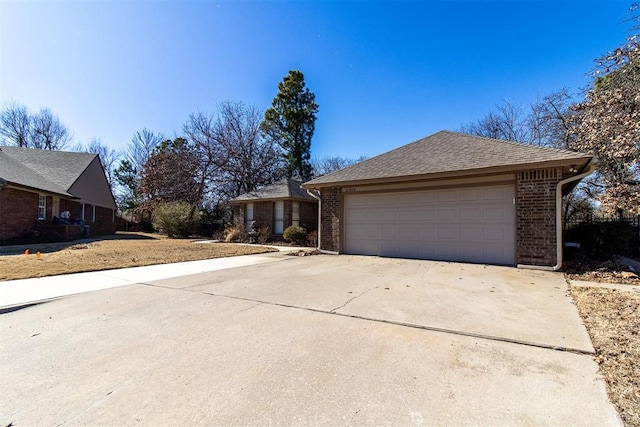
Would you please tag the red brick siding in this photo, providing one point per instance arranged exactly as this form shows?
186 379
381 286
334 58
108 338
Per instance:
18 212
536 216
309 216
104 223
74 208
331 215
263 215
288 214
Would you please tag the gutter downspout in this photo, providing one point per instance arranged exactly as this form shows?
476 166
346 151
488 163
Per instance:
309 192
590 167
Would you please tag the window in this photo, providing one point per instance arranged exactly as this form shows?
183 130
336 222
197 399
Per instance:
278 226
93 214
42 207
248 216
295 214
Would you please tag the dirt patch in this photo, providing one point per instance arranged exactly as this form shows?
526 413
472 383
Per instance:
612 318
600 271
119 251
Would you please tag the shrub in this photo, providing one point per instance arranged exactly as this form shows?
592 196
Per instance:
234 234
263 235
295 234
313 238
173 219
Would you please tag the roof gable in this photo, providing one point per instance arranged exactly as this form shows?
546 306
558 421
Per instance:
448 152
45 170
286 188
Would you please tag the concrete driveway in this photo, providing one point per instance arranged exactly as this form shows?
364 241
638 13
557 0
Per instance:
320 340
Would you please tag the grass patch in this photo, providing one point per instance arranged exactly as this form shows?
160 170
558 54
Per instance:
118 251
612 318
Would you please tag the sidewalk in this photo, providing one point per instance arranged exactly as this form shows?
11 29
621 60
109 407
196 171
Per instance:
24 291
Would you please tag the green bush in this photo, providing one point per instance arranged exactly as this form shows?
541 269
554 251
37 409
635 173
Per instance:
295 234
173 219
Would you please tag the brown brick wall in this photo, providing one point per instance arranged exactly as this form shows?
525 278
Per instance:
263 214
331 215
103 224
309 216
18 212
74 208
536 216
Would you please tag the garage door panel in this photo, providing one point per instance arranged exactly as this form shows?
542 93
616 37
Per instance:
448 232
427 213
472 232
468 224
495 193
448 214
496 233
390 215
447 196
471 213
495 214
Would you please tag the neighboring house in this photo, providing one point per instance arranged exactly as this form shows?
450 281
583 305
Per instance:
454 197
53 194
277 206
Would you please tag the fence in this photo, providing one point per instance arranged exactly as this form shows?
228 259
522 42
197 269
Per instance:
601 237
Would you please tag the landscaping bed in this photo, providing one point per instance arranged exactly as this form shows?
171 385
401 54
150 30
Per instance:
612 318
118 251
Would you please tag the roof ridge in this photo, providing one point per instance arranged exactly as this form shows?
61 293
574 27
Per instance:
508 141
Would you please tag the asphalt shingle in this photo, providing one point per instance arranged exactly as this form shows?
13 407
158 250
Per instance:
447 151
282 189
50 171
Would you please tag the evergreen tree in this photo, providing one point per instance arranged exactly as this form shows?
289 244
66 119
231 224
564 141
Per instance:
290 123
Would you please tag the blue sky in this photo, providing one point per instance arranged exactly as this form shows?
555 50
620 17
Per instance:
384 73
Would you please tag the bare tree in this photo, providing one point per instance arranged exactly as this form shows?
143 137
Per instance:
234 158
15 125
48 132
507 123
326 165
141 146
549 123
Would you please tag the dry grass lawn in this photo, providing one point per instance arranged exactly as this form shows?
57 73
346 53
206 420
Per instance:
118 251
612 318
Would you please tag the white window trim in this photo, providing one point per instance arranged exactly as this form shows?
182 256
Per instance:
42 207
278 217
249 218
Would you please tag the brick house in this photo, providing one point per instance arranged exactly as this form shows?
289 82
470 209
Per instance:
53 195
452 197
277 206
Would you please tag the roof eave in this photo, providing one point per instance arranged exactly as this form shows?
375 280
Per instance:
581 161
40 190
270 199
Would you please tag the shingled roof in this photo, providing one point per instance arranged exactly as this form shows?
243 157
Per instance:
448 153
45 170
283 189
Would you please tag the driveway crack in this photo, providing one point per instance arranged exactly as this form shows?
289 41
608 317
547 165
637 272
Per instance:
353 298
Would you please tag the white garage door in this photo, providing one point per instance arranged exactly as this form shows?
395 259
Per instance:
474 224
